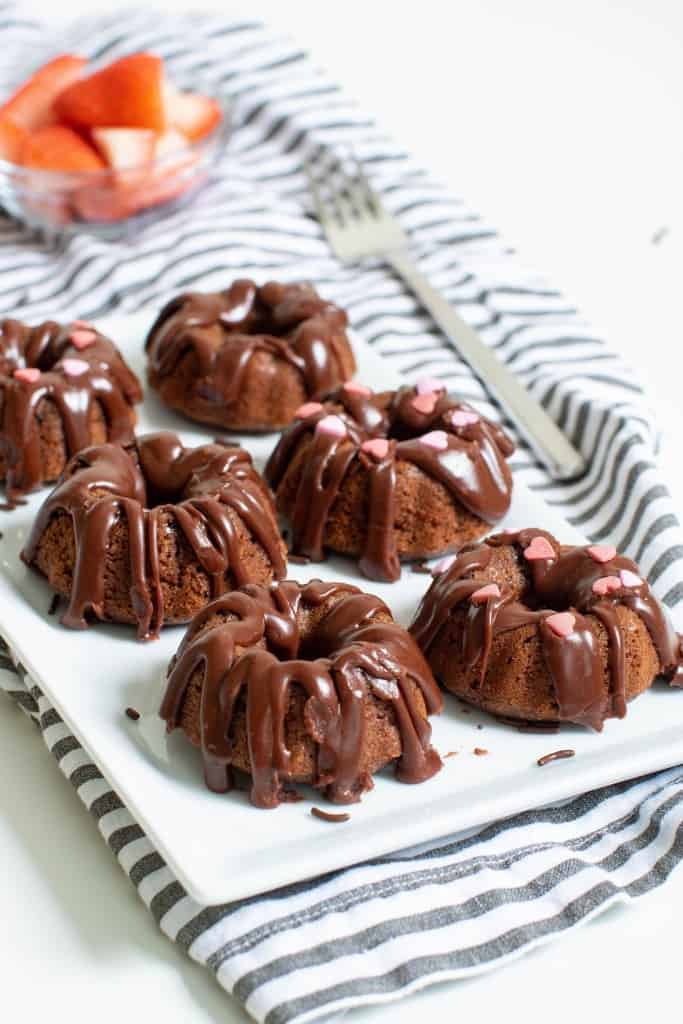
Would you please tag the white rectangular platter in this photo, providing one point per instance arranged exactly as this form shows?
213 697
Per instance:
220 847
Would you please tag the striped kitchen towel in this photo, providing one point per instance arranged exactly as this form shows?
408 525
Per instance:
478 899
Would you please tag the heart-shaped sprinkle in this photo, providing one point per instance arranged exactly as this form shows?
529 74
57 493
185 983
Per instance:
437 439
81 339
29 374
443 565
354 387
484 593
331 426
377 447
629 579
561 623
606 585
428 385
602 553
425 403
539 550
463 418
75 367
307 409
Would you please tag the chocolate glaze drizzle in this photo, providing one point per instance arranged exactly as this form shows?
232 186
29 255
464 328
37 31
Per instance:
107 381
146 482
565 583
472 467
225 329
257 651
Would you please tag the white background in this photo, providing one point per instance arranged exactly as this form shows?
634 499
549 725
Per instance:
561 121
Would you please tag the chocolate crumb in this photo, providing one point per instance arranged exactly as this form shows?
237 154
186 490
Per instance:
451 753
54 604
318 812
299 559
480 751
421 566
480 726
556 755
133 714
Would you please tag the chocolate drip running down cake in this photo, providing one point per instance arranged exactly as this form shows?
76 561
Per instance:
149 533
246 358
62 388
311 683
404 474
527 628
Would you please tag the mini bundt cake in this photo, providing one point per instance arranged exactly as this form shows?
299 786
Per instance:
527 628
246 358
302 683
62 388
150 532
399 475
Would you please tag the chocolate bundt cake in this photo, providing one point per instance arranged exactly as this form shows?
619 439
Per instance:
383 477
527 628
246 358
148 533
311 683
62 388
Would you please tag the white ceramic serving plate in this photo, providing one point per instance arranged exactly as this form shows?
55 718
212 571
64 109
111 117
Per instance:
220 847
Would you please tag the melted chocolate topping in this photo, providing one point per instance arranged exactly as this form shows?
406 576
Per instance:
472 467
565 583
257 653
145 482
225 329
106 380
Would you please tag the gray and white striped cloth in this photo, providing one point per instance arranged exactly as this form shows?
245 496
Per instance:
478 899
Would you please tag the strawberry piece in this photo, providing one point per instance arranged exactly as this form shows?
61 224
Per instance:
126 94
125 147
12 138
190 113
31 105
57 148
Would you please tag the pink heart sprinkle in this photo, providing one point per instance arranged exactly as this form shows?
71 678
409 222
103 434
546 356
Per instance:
602 553
428 385
354 387
484 593
629 579
377 447
437 439
425 403
307 409
443 565
539 550
75 367
28 374
82 339
606 585
463 418
331 426
562 623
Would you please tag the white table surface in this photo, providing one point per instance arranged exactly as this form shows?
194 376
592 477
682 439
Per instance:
561 122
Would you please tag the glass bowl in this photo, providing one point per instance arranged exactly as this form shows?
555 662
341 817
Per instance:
110 203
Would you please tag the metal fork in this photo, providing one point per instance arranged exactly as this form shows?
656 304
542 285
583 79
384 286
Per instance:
357 226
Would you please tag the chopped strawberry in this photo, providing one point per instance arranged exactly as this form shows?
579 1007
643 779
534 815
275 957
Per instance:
190 113
12 138
126 94
57 148
125 147
31 105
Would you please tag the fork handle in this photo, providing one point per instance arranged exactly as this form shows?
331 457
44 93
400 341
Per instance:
533 422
